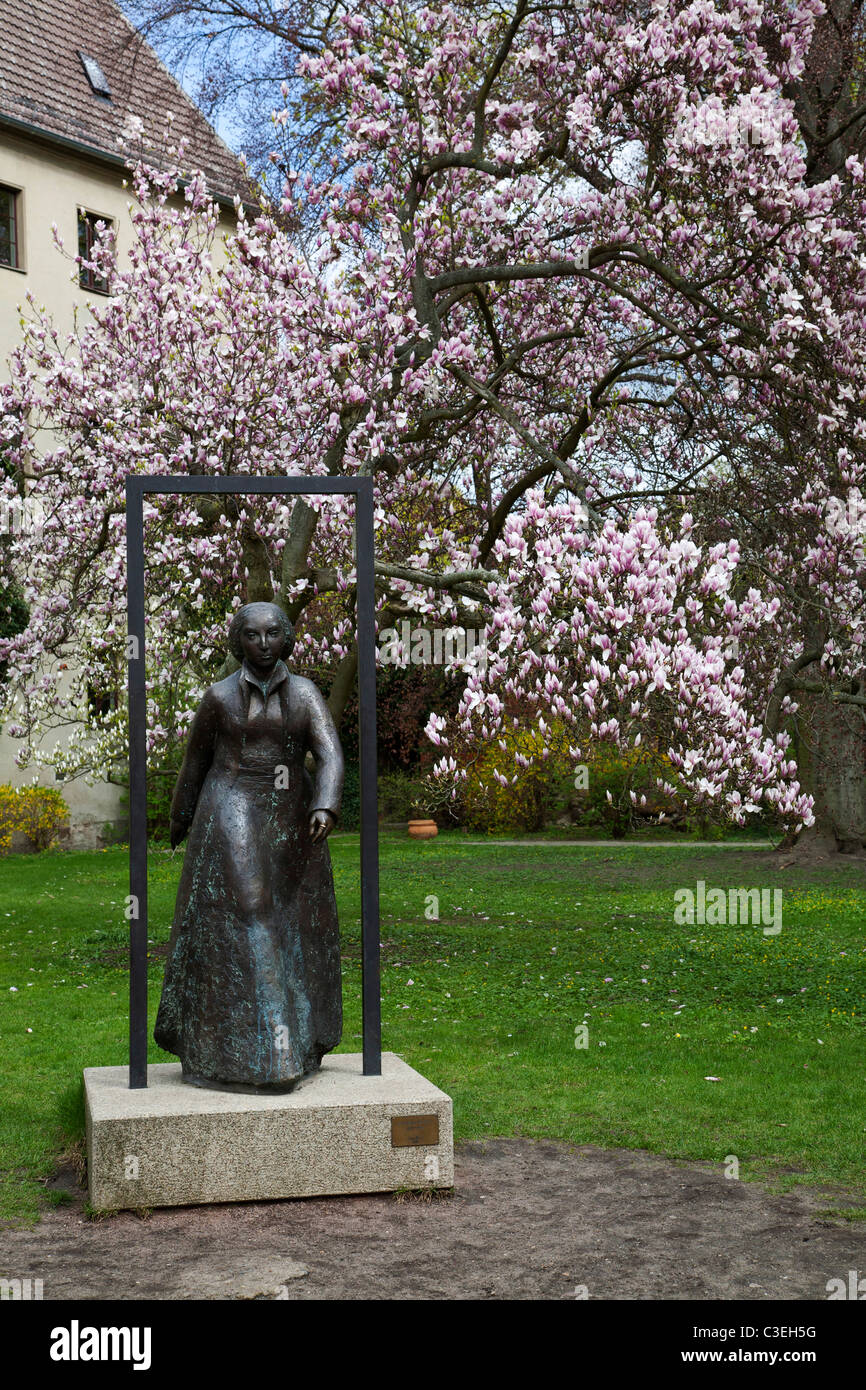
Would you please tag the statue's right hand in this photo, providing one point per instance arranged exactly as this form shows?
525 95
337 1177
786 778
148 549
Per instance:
176 834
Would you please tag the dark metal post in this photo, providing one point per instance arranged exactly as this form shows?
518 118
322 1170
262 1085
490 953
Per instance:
362 488
371 997
137 787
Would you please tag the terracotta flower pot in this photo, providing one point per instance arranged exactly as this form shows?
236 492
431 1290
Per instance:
423 829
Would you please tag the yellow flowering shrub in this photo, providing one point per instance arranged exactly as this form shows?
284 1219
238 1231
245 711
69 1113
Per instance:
525 804
8 816
596 792
37 812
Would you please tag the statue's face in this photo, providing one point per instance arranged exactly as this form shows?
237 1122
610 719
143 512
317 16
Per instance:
262 637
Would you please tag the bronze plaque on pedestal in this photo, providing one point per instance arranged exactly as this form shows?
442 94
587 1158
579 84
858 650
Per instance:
411 1131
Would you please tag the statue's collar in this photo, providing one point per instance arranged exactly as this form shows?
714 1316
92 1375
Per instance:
279 674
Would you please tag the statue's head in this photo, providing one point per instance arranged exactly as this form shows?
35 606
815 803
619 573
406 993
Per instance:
262 633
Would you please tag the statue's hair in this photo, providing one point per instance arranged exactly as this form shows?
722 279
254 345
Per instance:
240 618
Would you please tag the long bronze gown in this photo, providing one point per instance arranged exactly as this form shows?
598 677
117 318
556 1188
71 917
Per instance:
252 992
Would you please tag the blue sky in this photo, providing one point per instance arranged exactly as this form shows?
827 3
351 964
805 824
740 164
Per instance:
190 75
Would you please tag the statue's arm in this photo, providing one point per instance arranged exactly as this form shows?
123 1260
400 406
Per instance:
324 741
197 760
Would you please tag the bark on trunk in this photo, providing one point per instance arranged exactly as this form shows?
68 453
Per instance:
296 556
343 685
831 762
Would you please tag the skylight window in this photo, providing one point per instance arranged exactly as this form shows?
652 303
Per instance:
95 76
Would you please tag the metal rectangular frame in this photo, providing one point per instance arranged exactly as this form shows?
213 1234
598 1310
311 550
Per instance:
362 489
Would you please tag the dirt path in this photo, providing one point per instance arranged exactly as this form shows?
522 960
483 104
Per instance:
624 844
527 1220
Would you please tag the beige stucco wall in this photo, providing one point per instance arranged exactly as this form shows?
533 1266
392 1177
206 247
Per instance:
54 184
53 187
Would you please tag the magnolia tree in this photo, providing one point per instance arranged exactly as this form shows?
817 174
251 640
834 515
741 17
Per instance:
610 633
569 278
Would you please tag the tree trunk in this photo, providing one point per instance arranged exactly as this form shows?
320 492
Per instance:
831 762
296 555
344 682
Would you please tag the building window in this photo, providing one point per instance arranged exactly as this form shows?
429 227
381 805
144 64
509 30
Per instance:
89 226
95 76
9 249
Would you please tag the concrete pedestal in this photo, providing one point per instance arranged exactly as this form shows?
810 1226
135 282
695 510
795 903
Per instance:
338 1132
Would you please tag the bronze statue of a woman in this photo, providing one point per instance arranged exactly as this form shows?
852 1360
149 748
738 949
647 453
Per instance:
252 994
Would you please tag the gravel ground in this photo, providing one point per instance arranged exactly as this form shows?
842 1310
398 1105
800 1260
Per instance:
526 1220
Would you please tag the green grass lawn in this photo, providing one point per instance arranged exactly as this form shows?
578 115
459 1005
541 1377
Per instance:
531 942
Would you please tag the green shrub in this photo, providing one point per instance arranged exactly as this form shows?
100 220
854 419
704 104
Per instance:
403 796
613 774
14 614
350 811
160 789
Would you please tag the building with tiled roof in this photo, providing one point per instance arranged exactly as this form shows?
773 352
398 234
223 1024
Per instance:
76 82
74 74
